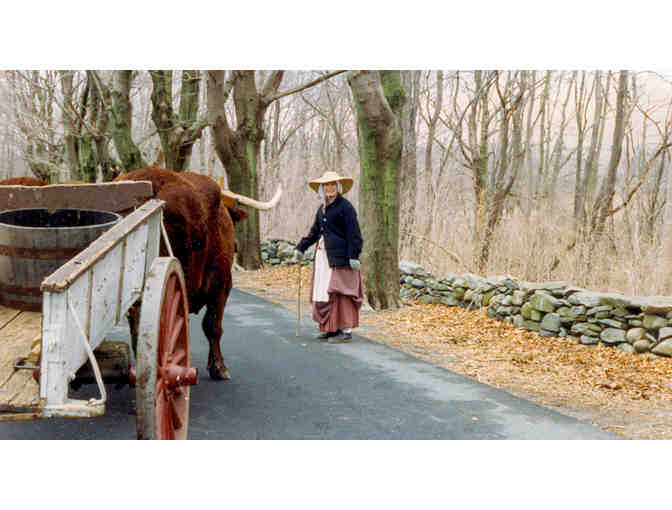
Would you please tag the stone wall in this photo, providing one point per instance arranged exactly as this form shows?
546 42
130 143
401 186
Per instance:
553 309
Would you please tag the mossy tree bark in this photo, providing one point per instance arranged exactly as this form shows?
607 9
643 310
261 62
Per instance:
178 131
379 97
239 149
121 116
86 129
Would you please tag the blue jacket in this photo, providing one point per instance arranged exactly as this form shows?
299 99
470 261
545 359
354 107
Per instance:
340 228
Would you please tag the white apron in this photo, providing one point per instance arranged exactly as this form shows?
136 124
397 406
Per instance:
322 273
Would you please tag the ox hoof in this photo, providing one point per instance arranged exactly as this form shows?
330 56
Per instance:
219 373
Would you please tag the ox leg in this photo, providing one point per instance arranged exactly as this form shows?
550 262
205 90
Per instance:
212 327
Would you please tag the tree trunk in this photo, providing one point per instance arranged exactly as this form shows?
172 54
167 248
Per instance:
71 152
86 136
579 191
590 170
239 150
558 149
543 108
604 200
120 113
409 170
531 184
479 142
178 133
379 97
433 118
509 163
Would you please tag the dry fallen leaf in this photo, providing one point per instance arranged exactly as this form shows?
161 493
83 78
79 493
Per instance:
594 383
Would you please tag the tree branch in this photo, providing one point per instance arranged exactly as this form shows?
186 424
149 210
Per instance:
279 95
272 83
452 255
641 180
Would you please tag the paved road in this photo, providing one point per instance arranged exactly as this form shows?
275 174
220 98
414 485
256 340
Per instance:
285 387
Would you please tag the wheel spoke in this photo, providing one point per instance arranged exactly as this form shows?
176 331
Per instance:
166 317
178 326
179 356
176 422
175 301
161 410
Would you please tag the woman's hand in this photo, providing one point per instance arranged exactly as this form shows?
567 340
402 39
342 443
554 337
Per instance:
354 264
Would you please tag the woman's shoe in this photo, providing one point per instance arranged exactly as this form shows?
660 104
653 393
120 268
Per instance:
344 338
325 335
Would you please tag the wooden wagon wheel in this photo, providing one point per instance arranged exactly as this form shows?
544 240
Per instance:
163 374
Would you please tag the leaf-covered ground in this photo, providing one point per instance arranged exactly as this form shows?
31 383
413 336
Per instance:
628 394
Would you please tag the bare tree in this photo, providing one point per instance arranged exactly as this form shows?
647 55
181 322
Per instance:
179 130
493 177
603 204
590 171
33 98
655 199
558 157
334 109
432 119
409 164
239 148
509 158
580 105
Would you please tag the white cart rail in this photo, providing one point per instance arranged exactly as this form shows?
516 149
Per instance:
85 297
42 353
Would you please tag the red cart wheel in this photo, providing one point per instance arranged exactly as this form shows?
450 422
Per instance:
163 374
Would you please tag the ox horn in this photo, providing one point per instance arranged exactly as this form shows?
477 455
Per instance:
230 195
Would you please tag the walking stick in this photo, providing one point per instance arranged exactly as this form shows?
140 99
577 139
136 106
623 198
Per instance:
298 301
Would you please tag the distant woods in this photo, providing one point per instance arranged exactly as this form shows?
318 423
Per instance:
528 172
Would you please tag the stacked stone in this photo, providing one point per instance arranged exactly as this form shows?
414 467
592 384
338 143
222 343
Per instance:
278 252
553 309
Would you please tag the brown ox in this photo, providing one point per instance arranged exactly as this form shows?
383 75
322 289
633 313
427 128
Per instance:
200 230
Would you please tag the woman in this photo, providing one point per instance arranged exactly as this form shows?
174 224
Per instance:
336 288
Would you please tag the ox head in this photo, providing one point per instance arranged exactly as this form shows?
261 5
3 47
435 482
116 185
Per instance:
238 215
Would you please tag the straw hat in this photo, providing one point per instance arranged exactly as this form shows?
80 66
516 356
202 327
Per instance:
346 182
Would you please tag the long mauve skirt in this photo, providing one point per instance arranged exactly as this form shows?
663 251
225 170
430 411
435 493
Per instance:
345 299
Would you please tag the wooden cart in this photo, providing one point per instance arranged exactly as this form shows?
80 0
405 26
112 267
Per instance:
43 352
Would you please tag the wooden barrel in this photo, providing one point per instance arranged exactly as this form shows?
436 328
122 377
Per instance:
36 242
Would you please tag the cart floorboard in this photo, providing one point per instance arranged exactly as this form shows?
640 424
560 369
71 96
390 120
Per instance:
20 334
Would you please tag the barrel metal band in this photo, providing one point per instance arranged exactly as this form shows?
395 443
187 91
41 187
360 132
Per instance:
26 306
20 291
38 253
